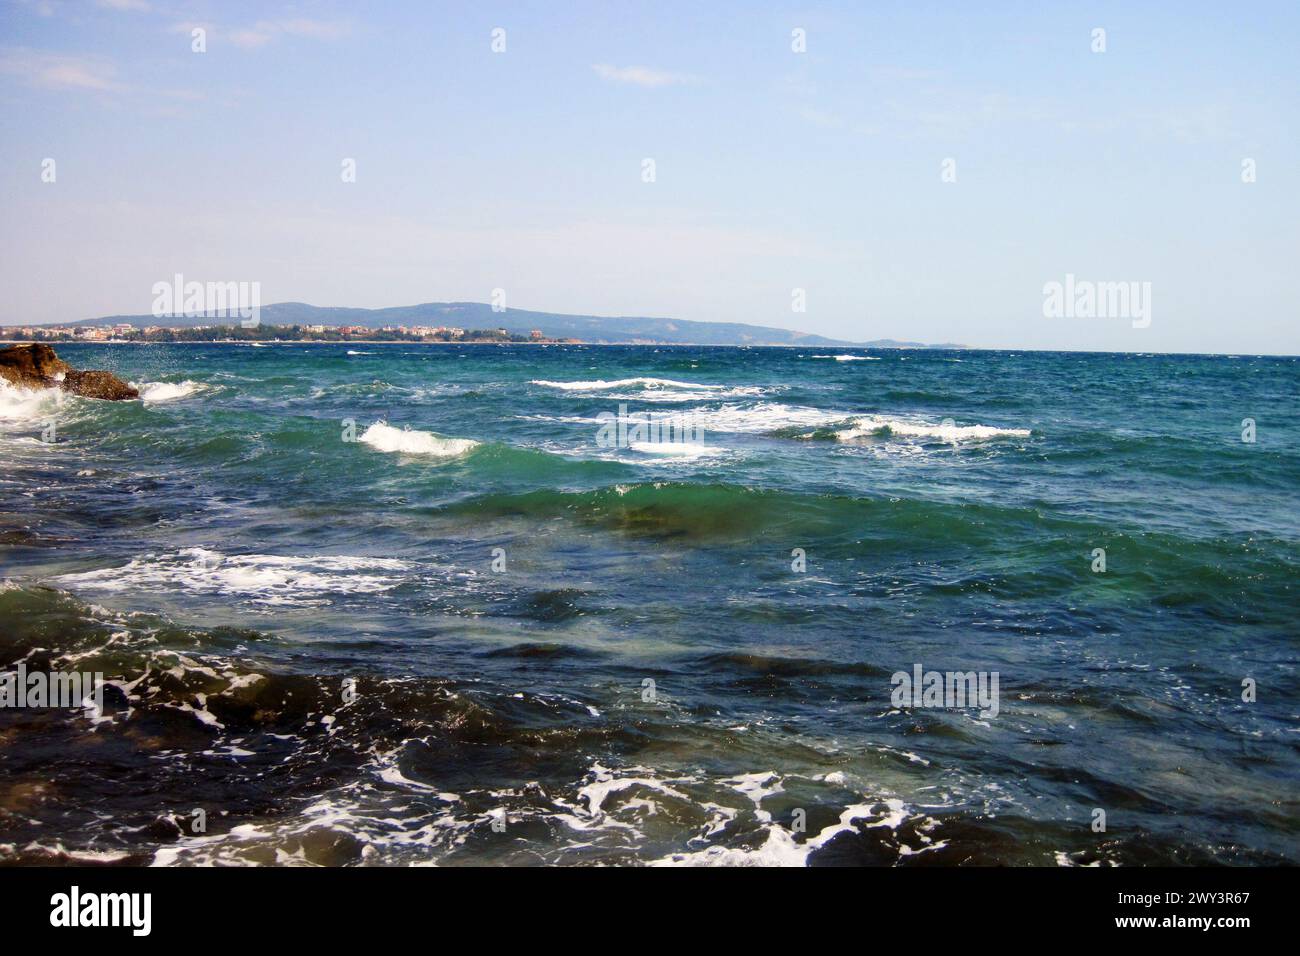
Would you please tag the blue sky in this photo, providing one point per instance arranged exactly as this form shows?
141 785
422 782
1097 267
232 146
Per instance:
775 170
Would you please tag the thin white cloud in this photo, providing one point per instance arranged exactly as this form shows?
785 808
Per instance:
57 72
42 8
264 31
904 73
88 75
641 76
138 6
250 38
823 118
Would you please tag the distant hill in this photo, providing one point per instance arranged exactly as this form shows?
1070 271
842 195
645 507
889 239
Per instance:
479 315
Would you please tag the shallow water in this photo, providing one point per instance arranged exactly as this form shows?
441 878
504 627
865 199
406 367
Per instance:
308 639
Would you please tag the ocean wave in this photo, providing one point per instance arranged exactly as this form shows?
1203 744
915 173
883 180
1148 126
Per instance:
760 417
679 508
739 418
669 396
24 404
657 389
356 389
676 449
721 510
600 385
264 578
951 433
343 764
384 437
154 392
780 848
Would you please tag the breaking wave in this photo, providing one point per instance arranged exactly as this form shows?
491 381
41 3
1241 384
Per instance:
945 431
408 441
153 392
262 578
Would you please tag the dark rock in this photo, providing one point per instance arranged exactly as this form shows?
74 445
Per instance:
94 384
31 366
36 366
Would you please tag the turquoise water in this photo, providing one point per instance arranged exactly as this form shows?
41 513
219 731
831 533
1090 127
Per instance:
398 603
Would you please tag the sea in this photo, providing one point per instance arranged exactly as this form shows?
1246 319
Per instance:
393 604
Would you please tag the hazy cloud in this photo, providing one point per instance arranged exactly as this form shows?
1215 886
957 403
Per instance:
641 75
59 72
263 32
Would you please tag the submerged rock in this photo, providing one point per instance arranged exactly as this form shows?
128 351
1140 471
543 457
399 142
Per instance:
36 366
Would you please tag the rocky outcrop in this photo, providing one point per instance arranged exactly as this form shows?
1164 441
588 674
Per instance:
95 384
31 366
36 366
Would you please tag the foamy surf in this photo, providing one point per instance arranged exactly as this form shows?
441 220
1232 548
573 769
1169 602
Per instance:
760 417
676 449
600 385
647 389
263 578
407 441
738 418
154 392
23 404
945 432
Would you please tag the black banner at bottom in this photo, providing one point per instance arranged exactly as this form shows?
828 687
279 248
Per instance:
333 906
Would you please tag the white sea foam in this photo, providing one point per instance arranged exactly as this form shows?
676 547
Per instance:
264 578
600 385
657 389
780 848
676 449
153 392
22 404
606 783
654 395
737 418
849 358
757 417
354 352
952 433
384 437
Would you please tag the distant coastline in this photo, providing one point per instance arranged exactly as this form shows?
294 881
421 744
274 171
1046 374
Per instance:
299 335
271 334
440 321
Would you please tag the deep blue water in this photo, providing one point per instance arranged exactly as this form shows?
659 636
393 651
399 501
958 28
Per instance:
475 634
